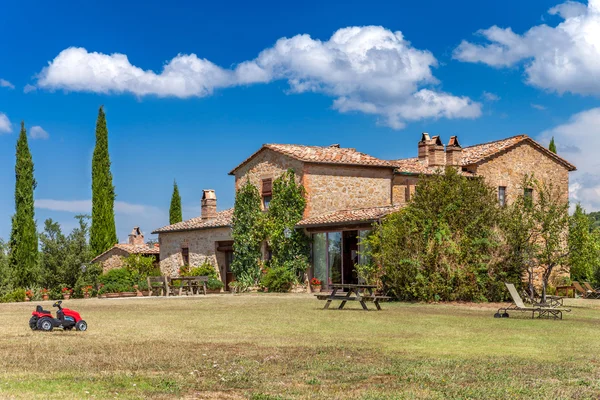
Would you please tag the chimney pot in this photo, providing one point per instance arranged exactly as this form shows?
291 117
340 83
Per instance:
336 145
136 237
453 152
208 209
435 152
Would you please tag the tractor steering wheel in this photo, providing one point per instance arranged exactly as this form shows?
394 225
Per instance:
57 304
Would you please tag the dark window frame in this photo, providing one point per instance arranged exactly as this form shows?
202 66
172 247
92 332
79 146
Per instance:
502 195
185 255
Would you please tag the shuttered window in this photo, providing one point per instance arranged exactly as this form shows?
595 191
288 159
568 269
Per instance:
185 254
267 187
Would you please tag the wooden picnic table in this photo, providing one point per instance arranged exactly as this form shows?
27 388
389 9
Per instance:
189 284
566 289
362 293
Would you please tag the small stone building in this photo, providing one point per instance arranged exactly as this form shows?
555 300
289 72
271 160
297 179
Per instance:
347 191
113 257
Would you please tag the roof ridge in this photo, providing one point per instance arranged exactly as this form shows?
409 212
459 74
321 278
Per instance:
523 136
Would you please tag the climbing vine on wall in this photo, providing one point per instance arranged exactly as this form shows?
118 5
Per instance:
246 233
290 246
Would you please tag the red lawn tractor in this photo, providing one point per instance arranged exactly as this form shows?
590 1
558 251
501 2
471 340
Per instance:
66 319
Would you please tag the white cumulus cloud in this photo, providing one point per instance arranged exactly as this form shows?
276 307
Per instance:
577 140
6 84
5 125
37 132
368 69
564 58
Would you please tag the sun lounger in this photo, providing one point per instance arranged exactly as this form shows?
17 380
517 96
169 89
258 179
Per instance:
591 288
518 305
585 293
551 301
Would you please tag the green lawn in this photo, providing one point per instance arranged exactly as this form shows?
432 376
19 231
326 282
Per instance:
286 347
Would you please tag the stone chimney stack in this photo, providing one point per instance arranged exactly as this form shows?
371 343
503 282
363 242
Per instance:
435 153
209 204
423 147
136 237
453 152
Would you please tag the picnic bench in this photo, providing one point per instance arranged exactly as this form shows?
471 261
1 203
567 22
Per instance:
353 292
177 286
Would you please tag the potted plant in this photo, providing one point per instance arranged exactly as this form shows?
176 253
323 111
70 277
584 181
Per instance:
45 294
86 291
28 295
66 292
213 285
315 284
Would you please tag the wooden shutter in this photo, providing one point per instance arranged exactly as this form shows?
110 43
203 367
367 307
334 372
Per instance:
267 187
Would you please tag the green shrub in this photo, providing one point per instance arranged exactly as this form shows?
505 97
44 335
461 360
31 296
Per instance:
14 296
213 283
278 279
117 280
206 269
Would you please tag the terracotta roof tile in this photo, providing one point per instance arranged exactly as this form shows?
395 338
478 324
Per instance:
348 216
131 249
478 153
222 219
322 155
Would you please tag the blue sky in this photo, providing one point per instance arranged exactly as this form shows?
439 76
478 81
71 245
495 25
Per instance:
365 75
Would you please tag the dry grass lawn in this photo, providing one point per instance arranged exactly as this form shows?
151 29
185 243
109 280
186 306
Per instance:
266 346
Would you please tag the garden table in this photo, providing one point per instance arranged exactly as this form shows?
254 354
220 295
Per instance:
566 289
189 284
361 293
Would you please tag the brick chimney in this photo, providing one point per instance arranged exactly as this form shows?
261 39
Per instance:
436 157
136 237
208 207
423 146
453 152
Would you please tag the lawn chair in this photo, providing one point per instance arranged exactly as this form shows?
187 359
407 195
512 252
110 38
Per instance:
591 288
156 284
585 293
542 312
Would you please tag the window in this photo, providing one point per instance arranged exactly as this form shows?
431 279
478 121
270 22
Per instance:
267 192
502 196
185 255
528 193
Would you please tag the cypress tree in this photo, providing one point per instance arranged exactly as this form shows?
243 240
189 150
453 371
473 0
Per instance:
103 232
175 209
23 237
552 146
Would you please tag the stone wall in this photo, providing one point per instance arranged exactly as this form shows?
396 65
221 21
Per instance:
201 244
508 169
112 259
335 187
403 189
267 164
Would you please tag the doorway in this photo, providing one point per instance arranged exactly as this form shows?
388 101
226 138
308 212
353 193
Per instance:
349 257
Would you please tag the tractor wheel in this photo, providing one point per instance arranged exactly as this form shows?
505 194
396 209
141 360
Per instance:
81 325
45 324
33 323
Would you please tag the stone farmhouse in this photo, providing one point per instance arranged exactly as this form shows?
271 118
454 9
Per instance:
347 191
113 257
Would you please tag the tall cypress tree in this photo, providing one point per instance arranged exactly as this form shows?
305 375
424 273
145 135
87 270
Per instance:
175 209
552 146
103 233
23 237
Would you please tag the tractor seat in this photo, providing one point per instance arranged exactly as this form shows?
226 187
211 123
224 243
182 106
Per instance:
41 310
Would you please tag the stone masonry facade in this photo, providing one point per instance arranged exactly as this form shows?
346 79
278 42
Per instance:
347 182
202 246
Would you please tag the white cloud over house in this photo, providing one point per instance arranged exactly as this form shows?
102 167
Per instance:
577 140
5 125
6 84
366 69
37 132
564 58
127 215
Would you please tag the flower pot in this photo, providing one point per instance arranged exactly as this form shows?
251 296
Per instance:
128 294
316 288
111 295
27 299
66 296
86 295
213 291
45 297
